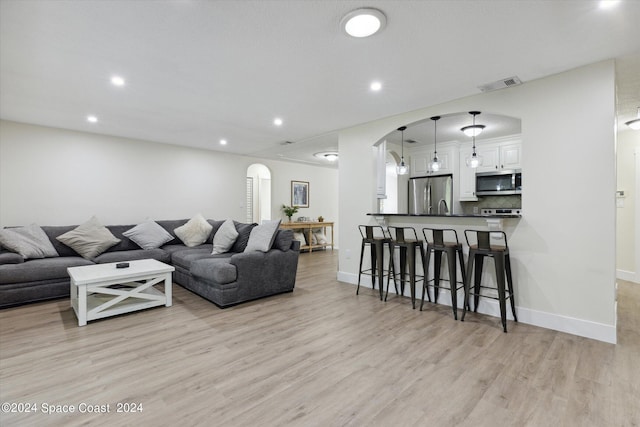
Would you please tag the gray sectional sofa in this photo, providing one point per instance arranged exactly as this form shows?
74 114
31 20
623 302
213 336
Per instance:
224 279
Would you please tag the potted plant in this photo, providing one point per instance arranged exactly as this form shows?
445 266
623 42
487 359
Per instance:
289 211
320 218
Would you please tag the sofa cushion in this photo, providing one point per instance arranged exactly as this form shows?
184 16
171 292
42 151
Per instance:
148 235
283 240
184 258
53 232
119 256
11 258
89 239
195 232
218 270
225 237
39 269
261 237
170 226
30 242
244 231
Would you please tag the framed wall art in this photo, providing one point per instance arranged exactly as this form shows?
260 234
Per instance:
300 194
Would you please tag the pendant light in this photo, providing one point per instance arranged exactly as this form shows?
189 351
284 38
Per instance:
474 161
435 164
402 168
635 123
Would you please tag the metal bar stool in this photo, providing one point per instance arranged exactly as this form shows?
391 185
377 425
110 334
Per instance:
477 252
407 248
375 237
437 244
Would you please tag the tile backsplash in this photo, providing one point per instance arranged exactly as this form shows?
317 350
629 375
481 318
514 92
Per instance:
497 202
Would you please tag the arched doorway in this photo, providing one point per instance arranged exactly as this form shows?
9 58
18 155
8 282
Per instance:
258 193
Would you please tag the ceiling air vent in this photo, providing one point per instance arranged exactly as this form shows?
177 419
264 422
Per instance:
501 84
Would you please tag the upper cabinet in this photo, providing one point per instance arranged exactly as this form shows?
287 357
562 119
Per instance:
421 161
498 156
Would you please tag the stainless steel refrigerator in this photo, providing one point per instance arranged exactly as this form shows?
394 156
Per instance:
431 195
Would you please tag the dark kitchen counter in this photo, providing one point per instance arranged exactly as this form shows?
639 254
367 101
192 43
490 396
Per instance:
444 216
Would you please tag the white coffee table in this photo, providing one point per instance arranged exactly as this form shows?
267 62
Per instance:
94 296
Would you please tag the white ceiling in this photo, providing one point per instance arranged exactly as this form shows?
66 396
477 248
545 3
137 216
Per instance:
199 71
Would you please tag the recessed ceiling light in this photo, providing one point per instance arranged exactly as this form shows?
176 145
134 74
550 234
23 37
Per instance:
363 22
277 121
92 119
117 81
608 4
223 142
376 86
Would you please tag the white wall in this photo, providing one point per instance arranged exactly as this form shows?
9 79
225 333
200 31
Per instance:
58 177
628 148
564 246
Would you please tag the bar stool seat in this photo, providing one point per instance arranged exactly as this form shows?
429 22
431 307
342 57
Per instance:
500 253
406 240
376 239
437 244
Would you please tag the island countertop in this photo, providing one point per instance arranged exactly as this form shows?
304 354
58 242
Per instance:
445 216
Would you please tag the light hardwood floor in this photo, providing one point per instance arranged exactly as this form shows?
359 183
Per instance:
320 356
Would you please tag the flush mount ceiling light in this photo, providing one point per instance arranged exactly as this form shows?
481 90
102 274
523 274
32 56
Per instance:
635 123
277 121
402 168
331 156
473 130
363 22
435 164
223 142
92 119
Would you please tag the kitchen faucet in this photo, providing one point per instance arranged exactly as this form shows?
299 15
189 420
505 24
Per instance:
446 209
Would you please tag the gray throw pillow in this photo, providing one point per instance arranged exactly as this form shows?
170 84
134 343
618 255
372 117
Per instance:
89 239
262 237
195 232
224 238
30 242
148 235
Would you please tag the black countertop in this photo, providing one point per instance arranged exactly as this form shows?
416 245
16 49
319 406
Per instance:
445 216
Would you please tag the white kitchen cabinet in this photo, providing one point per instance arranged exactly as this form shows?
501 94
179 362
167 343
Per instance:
381 170
499 156
510 156
421 162
467 177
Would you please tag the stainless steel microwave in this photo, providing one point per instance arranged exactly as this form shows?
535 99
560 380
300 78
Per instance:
499 183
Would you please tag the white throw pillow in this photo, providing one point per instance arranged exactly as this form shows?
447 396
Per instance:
320 237
262 237
225 237
89 239
148 235
195 232
299 236
30 242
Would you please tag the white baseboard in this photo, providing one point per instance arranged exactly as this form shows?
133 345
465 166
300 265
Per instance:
629 276
556 322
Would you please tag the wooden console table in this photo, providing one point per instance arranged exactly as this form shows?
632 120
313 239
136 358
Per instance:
308 228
